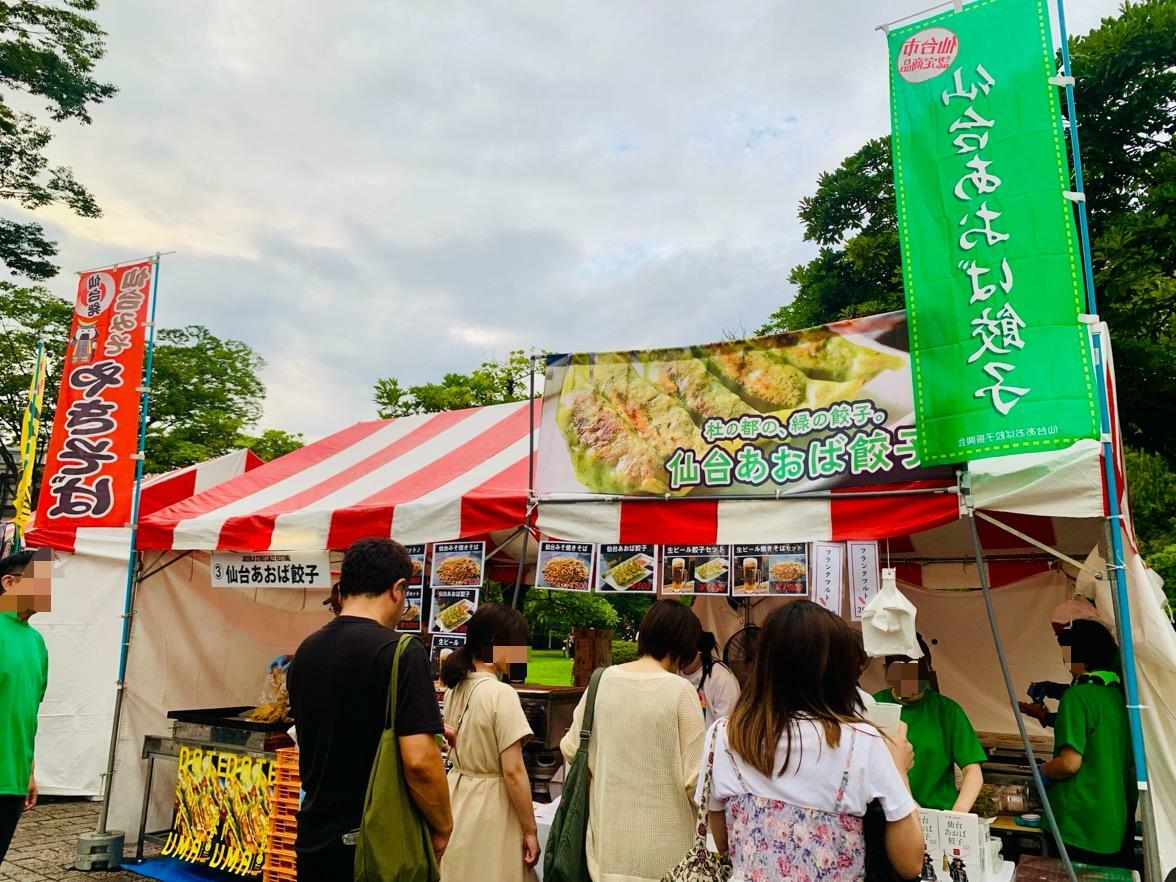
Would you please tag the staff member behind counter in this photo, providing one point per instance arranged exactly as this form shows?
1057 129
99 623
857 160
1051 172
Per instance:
940 733
1093 785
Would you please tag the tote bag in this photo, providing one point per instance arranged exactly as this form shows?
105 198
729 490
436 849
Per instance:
701 864
566 860
393 843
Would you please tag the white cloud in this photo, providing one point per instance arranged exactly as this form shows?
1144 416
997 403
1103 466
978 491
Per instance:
365 188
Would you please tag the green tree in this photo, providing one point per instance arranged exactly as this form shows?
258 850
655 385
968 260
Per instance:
271 443
553 614
47 51
494 382
1152 483
207 392
1126 94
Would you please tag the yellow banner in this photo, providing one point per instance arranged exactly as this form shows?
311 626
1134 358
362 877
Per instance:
30 427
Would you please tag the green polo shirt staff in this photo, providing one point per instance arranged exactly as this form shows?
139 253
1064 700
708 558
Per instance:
939 731
1093 785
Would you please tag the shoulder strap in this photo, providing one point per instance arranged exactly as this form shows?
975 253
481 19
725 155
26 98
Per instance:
390 711
590 707
461 716
839 797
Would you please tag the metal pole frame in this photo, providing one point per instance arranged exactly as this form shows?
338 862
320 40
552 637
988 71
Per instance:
1118 580
18 531
982 571
132 555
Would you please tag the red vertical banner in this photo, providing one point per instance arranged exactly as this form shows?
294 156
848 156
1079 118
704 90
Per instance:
90 467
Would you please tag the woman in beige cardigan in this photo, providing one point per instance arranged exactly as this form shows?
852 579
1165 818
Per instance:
644 753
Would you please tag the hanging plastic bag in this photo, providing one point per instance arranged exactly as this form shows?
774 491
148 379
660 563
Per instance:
888 622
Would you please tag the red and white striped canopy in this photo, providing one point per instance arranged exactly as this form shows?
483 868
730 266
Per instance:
424 478
464 474
158 492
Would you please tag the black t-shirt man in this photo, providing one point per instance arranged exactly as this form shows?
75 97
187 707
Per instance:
338 684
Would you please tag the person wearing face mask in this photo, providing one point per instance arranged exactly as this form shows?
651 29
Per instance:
940 732
495 835
24 676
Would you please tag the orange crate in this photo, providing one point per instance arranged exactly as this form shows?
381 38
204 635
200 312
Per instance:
284 791
281 860
284 824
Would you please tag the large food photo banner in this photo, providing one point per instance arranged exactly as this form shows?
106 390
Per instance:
695 569
565 566
806 410
626 568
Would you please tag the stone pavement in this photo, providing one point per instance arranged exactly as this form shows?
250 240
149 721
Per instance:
46 844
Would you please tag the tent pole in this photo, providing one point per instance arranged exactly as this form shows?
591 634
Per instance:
1012 692
132 556
1151 854
514 602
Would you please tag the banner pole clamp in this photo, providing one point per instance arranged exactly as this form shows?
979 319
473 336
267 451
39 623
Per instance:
1074 196
1061 81
1088 318
138 457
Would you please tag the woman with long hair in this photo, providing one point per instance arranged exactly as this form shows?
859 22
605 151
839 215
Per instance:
643 753
796 766
494 831
717 687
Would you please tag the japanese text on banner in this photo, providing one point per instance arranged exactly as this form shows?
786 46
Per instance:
90 469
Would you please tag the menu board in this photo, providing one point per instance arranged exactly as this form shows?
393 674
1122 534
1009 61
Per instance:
864 576
565 566
458 564
410 619
629 568
417 554
827 573
414 594
695 569
766 569
451 609
222 808
442 645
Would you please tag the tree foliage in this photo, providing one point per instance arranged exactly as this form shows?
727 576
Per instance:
1126 96
206 392
272 443
47 51
1125 91
558 612
494 382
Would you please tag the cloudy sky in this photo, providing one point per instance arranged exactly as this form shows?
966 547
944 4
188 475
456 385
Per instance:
367 188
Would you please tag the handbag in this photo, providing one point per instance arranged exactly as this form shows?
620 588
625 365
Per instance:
701 864
566 859
878 868
393 844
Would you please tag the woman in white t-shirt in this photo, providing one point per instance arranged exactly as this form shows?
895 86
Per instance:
717 687
796 766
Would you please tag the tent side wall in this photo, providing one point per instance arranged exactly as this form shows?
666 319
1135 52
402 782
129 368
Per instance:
194 646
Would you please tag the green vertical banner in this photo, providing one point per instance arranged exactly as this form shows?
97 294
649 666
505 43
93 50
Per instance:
1001 363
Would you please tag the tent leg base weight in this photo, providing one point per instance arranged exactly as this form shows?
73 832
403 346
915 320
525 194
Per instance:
100 851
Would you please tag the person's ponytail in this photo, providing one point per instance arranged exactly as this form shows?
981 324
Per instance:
458 665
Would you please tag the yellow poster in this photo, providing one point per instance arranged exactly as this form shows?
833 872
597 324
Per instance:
222 810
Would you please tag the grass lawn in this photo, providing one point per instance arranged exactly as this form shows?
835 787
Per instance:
549 667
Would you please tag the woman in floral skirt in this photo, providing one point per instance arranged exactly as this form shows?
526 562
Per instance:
795 766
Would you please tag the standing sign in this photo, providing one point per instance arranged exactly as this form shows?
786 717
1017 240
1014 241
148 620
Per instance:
90 467
1000 362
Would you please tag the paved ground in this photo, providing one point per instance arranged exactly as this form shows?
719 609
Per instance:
46 844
